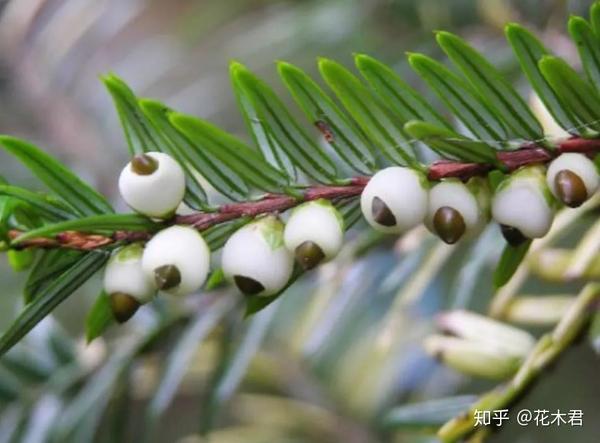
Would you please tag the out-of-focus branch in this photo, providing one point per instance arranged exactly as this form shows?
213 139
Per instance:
547 349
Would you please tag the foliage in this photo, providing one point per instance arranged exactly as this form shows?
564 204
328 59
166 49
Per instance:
367 124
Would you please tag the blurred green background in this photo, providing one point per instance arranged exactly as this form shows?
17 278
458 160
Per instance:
327 361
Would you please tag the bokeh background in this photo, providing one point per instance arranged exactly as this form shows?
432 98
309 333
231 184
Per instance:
341 348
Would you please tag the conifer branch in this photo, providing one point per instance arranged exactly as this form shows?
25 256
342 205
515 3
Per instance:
548 348
528 154
271 203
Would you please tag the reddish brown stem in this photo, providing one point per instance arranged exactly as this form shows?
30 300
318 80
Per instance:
513 160
271 203
577 144
446 168
275 203
510 160
77 240
529 154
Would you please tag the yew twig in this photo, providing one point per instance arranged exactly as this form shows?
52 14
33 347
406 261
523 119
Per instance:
528 154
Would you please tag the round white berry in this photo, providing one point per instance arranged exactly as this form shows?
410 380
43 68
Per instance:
153 184
523 202
256 259
177 259
123 273
572 178
125 282
314 232
453 211
395 200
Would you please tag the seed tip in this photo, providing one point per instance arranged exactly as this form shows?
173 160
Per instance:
248 285
449 224
143 164
512 235
167 277
570 188
309 255
123 306
382 213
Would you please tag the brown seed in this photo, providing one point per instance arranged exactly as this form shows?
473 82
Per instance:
309 255
143 164
248 285
123 306
449 224
570 188
167 277
512 235
381 213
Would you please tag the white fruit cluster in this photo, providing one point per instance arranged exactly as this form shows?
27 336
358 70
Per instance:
175 261
397 199
259 257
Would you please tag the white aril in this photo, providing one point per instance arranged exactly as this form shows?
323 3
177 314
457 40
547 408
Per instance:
523 206
572 178
177 259
153 184
125 282
395 200
256 259
314 233
455 210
